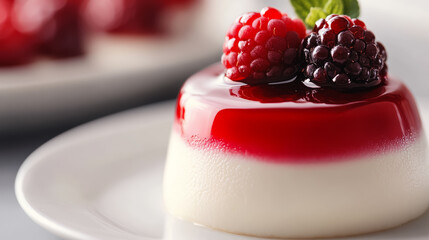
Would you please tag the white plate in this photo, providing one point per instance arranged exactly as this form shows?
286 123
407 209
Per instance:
103 181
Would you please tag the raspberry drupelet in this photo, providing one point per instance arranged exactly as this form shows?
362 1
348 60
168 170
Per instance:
263 47
342 53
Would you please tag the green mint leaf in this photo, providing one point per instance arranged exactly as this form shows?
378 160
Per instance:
312 10
334 7
315 14
351 8
302 7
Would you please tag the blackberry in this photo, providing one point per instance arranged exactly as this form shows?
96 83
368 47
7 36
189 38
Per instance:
341 53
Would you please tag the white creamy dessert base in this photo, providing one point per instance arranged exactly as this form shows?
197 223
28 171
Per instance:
251 196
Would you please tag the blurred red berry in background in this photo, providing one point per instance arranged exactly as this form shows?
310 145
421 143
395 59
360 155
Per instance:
17 46
57 24
129 16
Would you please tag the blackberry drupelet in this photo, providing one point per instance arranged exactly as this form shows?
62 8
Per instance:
341 53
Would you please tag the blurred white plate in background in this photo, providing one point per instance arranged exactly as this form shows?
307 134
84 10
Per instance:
103 180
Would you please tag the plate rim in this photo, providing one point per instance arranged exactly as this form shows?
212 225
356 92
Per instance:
37 156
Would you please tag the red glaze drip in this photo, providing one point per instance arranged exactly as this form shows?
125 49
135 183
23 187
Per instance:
292 123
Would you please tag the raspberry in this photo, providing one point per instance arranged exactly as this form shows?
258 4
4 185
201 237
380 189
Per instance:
263 47
342 53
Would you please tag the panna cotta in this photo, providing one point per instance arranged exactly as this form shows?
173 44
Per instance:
297 136
305 164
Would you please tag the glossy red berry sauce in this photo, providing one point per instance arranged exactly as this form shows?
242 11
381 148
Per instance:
289 123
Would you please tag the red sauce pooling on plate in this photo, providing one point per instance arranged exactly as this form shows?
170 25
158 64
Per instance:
291 123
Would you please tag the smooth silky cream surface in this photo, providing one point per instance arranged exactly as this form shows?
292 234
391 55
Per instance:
247 195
